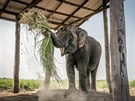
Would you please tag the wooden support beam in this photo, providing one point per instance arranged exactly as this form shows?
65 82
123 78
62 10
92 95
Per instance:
45 9
56 23
54 10
107 53
13 20
70 3
74 12
21 2
17 58
8 12
4 7
120 85
88 16
51 11
32 4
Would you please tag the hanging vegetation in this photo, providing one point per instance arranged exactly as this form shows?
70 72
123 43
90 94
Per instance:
37 23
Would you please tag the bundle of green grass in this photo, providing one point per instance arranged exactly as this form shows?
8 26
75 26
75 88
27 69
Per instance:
37 23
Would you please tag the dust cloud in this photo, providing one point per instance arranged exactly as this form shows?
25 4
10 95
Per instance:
61 95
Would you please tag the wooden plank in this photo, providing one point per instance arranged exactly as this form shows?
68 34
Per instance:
41 8
70 3
8 19
8 12
55 10
88 16
32 4
4 7
17 58
74 12
51 11
21 2
107 52
118 51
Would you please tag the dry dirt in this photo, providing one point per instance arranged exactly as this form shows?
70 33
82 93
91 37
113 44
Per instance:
58 95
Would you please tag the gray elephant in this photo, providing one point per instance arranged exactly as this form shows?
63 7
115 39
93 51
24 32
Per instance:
82 52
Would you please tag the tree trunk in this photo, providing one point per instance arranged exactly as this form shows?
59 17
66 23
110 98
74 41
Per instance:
107 55
17 58
120 85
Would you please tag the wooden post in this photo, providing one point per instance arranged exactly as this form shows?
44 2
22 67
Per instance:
107 55
120 85
17 57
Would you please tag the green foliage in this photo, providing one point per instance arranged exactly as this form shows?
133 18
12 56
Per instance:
46 53
132 83
6 84
101 84
37 23
29 84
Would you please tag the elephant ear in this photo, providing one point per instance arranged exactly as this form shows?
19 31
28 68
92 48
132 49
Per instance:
82 34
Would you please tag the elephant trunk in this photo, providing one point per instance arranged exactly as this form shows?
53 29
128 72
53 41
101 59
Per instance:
56 41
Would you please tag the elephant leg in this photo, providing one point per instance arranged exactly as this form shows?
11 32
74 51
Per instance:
70 73
47 79
82 77
93 78
88 79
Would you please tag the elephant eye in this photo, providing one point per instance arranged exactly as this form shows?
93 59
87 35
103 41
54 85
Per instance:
70 35
61 28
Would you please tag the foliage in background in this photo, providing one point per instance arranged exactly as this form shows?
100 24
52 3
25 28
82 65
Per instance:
6 84
132 83
37 23
101 84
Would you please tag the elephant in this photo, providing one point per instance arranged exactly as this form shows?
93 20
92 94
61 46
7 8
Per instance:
82 52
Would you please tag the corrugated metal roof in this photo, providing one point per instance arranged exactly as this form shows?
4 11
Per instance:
58 12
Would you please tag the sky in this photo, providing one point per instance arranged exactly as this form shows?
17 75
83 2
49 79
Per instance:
30 68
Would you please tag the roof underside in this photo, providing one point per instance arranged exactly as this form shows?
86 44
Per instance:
58 12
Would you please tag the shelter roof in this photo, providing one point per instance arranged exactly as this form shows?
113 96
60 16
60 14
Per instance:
58 12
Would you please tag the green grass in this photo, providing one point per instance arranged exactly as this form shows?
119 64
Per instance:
101 84
29 84
7 84
132 83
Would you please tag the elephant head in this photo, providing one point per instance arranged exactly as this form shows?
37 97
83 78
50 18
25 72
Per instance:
69 39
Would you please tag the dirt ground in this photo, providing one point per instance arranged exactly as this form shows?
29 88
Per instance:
58 95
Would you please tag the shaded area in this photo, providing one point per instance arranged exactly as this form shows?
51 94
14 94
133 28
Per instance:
58 12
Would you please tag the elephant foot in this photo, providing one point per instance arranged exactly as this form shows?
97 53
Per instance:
84 90
69 91
72 88
94 89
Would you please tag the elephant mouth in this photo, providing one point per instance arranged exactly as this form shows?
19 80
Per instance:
62 51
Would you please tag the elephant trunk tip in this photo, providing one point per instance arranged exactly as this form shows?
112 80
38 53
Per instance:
62 51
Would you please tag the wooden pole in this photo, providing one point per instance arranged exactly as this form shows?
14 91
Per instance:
17 57
107 55
120 85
